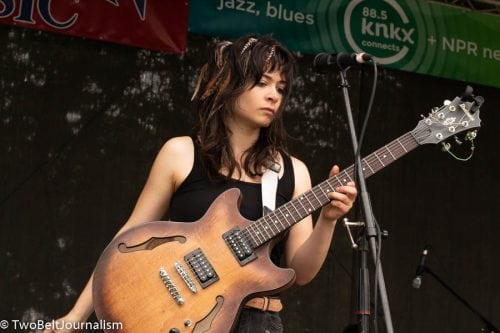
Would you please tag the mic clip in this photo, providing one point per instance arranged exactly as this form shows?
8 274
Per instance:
347 225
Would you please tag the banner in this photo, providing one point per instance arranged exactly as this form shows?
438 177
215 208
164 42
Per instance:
154 24
418 36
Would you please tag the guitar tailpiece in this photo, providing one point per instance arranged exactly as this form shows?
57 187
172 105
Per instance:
172 289
447 149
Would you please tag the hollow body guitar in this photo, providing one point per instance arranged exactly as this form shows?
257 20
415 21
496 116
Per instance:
175 277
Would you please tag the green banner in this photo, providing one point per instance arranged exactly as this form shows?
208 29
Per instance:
418 36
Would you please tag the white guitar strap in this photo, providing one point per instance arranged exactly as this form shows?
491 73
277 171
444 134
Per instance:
269 187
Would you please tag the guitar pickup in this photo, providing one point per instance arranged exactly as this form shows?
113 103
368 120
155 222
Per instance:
239 246
201 268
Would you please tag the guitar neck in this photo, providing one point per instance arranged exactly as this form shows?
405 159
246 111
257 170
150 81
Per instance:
281 219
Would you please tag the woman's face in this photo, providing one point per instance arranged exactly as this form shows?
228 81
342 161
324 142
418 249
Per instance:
257 106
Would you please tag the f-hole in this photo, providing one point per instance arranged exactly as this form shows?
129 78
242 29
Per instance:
150 244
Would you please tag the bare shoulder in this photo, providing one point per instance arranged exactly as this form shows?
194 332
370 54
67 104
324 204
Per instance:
299 167
177 150
302 176
179 146
177 155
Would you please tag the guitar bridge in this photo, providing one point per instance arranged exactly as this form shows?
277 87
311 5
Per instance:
239 246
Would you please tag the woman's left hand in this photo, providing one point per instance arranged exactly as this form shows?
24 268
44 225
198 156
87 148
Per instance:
342 199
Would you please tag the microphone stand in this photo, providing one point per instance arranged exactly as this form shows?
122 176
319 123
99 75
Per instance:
489 327
370 228
363 293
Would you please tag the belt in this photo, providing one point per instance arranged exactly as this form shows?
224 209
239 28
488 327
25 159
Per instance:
265 304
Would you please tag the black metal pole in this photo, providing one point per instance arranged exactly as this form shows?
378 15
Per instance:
363 310
370 229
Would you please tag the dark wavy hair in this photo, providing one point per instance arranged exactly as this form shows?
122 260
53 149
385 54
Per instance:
234 68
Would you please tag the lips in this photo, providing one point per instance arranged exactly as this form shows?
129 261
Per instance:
269 110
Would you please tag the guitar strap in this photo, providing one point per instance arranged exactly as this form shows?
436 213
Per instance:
269 187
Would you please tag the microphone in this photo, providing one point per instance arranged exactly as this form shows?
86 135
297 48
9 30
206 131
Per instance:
324 61
417 281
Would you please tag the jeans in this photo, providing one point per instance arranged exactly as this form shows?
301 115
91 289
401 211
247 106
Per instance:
257 321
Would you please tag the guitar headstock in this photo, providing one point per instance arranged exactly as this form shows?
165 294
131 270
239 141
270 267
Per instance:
459 115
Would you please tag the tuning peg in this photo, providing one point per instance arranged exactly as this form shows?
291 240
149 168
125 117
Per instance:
445 146
446 102
470 135
457 140
467 94
478 101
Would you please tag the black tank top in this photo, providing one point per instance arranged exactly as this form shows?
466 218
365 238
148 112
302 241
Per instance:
193 197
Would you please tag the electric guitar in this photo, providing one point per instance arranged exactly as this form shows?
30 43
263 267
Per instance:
175 277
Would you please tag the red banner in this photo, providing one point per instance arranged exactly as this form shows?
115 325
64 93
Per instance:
153 24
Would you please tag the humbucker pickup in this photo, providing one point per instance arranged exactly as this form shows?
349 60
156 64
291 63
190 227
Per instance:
239 246
201 268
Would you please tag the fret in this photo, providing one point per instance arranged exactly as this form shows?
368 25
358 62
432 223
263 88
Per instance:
390 152
250 230
269 222
277 222
288 213
291 203
339 181
348 177
249 236
265 227
375 153
273 221
300 199
375 163
283 218
330 181
401 145
326 190
369 166
334 182
269 218
311 206
268 226
317 199
258 234
315 203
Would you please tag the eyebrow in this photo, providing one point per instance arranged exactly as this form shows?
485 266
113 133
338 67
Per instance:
269 77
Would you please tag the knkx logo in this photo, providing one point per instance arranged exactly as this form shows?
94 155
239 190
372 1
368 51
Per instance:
380 28
24 14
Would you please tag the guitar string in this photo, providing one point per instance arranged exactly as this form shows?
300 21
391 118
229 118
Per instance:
311 195
399 146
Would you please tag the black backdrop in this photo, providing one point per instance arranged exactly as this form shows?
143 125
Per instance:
81 121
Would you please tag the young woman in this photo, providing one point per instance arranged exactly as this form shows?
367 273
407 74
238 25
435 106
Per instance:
241 93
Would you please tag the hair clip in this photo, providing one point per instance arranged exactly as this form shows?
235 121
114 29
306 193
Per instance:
251 41
223 44
270 55
218 52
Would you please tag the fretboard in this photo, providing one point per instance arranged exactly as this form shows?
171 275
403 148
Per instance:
282 218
